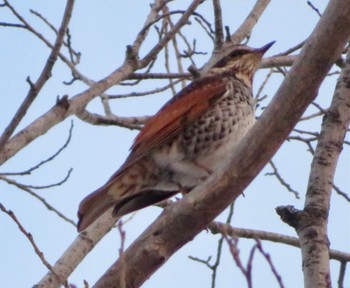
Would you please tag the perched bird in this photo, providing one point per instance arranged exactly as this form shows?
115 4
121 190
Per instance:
188 139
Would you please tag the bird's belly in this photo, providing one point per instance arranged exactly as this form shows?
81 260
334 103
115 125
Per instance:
216 154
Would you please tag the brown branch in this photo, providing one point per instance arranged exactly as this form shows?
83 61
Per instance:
214 267
60 112
59 183
53 28
281 180
126 122
292 49
145 93
269 260
224 228
259 98
341 193
14 25
247 26
209 31
314 8
278 61
30 170
246 271
32 242
311 223
341 274
43 78
219 32
182 21
41 199
192 214
145 76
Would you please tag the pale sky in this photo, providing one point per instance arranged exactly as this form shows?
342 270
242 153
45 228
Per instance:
100 31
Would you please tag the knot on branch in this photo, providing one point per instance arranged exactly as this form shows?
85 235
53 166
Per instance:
131 57
63 102
290 215
194 72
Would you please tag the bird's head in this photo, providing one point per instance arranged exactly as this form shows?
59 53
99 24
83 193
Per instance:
242 61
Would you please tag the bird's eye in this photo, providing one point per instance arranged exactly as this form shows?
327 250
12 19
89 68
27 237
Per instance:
234 54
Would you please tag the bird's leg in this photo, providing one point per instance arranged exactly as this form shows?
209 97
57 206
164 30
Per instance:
183 190
203 167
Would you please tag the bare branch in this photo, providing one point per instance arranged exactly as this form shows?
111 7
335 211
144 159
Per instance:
32 242
145 93
126 122
314 8
53 28
44 76
281 180
30 170
341 193
41 199
206 201
268 259
219 33
182 21
59 112
246 271
226 229
342 274
311 223
214 267
247 26
59 183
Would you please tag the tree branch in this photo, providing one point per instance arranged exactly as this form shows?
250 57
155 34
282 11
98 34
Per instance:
311 223
192 214
60 112
247 26
224 228
45 75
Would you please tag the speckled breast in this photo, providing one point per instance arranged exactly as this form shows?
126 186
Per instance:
218 131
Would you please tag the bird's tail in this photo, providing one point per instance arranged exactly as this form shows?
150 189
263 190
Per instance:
128 190
93 206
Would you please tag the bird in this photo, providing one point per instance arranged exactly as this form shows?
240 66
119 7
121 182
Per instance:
185 141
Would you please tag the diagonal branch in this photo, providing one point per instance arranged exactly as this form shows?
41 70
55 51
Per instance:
45 75
66 108
192 214
247 26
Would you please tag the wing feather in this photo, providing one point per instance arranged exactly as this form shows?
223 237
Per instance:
184 108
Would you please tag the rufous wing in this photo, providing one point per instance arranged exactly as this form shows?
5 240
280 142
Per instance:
182 110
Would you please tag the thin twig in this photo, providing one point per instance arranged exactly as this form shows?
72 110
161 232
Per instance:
341 276
30 170
314 8
269 260
44 75
41 199
248 24
281 180
29 236
59 183
144 93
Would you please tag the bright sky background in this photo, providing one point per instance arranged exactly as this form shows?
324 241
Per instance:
100 31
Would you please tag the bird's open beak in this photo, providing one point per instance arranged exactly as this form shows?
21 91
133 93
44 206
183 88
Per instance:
264 48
